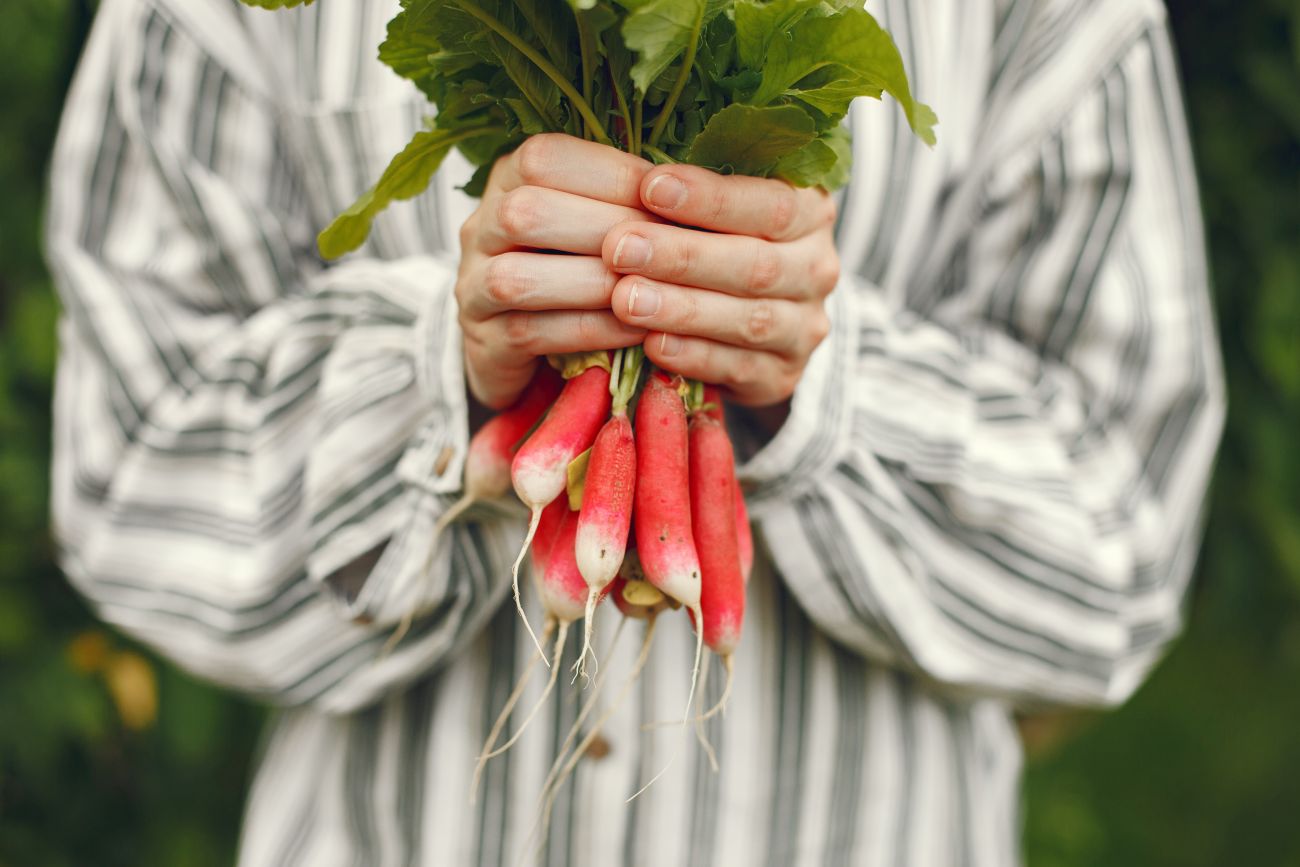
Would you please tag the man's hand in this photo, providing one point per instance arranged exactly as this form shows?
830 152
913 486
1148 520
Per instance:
554 193
740 305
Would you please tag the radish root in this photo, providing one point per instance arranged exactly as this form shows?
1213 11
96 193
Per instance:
551 788
514 578
690 698
700 734
721 706
516 694
546 693
588 624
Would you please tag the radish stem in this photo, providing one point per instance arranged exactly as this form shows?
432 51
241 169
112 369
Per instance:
546 67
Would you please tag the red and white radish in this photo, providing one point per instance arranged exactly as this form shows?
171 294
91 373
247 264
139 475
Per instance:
662 515
607 494
540 467
665 543
744 533
492 448
713 523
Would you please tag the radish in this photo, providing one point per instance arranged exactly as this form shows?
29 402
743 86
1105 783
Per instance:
492 448
663 514
540 467
713 519
744 533
665 542
607 493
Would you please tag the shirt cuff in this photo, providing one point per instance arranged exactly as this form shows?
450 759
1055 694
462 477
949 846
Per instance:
394 413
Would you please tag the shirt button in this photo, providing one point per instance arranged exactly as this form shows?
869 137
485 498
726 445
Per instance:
444 460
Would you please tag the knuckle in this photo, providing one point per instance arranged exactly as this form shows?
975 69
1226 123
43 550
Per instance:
826 272
500 281
518 330
788 382
766 268
717 199
468 231
589 327
820 328
744 377
681 260
830 213
785 208
760 323
535 157
517 212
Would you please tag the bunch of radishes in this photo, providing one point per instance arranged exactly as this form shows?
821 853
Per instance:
589 475
632 488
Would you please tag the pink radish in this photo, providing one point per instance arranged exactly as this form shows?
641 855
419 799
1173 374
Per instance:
713 520
663 514
744 533
665 542
606 515
492 448
540 467
716 504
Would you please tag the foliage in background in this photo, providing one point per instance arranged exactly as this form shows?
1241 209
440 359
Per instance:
106 756
110 757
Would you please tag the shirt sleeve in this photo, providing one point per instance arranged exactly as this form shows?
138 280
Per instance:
1000 489
251 447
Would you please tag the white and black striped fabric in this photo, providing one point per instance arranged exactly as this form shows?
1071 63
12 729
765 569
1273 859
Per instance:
986 496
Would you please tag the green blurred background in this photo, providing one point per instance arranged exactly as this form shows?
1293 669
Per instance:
110 757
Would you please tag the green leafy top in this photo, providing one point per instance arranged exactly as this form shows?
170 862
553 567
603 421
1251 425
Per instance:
754 87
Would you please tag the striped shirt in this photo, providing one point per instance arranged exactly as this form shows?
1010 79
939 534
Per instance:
986 497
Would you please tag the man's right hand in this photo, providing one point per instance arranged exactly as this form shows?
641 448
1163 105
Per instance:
555 193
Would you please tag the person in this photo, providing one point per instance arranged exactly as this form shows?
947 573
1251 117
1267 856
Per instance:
976 467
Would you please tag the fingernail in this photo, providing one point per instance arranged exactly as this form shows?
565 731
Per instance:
666 192
643 300
669 345
632 251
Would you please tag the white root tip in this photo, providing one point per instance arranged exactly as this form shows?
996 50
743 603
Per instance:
516 694
588 624
690 698
514 579
721 706
700 734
